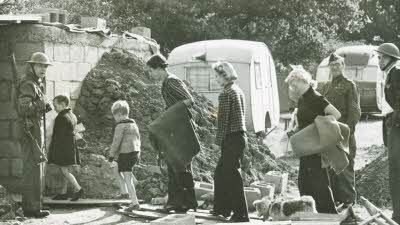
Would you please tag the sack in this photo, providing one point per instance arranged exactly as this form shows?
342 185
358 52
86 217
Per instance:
173 134
317 137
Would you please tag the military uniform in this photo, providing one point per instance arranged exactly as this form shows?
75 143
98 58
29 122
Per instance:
32 107
392 96
344 95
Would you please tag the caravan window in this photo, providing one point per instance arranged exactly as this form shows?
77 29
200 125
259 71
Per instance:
257 74
202 78
198 77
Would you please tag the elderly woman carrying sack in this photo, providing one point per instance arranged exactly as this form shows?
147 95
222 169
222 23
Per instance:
313 180
229 195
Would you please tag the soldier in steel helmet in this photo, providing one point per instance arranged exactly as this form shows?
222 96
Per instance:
32 107
343 93
388 55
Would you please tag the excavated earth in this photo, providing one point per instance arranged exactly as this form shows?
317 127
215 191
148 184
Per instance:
122 75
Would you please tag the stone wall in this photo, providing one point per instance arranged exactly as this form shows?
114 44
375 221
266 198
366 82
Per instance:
73 54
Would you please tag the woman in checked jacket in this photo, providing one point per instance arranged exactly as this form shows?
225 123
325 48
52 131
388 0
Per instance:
229 195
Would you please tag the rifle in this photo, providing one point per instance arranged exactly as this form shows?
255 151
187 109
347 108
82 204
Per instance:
38 155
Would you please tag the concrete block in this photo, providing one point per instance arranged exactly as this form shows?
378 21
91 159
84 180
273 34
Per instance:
81 70
50 89
61 87
24 51
91 55
49 50
61 52
175 219
77 53
144 31
202 188
266 189
159 200
52 15
252 194
93 22
55 72
279 179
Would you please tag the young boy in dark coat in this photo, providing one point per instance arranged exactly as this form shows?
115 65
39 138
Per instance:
63 151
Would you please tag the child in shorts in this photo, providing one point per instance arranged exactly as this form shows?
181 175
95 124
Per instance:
125 148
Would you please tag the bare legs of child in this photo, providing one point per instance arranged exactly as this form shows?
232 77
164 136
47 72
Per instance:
129 182
65 171
122 186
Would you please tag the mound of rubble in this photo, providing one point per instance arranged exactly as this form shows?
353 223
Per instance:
122 75
373 181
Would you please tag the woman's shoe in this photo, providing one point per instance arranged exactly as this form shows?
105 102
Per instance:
61 197
77 195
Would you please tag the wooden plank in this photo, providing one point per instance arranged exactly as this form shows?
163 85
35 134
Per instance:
82 201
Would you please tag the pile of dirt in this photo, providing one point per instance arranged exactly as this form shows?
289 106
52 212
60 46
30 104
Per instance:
373 181
122 75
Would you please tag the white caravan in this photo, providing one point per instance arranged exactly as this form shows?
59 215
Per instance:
254 65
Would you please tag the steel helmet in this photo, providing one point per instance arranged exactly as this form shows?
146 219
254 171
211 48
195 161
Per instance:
389 49
40 58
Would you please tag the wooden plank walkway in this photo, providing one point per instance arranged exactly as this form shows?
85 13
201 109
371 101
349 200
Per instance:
83 201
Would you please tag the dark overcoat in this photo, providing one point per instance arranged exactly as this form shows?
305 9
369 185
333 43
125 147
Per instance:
63 149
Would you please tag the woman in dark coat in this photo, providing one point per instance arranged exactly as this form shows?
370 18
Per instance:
228 183
313 180
63 151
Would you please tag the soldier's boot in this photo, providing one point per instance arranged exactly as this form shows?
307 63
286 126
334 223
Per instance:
37 214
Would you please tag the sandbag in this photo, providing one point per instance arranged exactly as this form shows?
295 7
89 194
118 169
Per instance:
173 134
317 137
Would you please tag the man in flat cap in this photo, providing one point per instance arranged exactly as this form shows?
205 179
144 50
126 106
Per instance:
343 93
181 195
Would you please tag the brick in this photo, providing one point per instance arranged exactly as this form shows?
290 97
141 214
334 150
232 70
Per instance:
144 31
91 54
49 50
175 219
252 194
24 51
279 179
266 189
93 22
77 53
202 188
